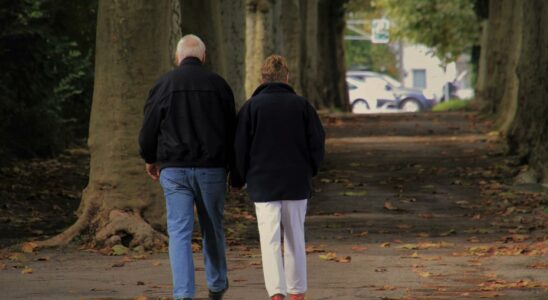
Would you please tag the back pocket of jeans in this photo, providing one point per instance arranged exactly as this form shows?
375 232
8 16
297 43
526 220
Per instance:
213 176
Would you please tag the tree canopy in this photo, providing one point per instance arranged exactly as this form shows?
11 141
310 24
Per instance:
450 28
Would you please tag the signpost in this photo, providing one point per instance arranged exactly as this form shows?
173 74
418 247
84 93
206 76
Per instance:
379 31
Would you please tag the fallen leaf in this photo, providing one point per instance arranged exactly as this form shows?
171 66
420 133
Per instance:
43 258
509 211
427 245
328 256
385 245
390 206
119 250
473 239
425 274
516 238
450 232
27 270
156 263
404 226
3 266
255 263
345 259
196 247
29 247
539 265
363 233
359 248
314 249
140 298
426 215
423 234
354 194
380 270
20 257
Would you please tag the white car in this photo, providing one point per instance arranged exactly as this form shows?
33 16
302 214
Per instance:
372 95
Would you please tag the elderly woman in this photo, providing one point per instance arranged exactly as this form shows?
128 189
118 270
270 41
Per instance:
279 145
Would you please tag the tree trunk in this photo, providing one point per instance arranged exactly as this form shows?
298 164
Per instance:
330 58
135 43
221 25
309 33
528 135
511 84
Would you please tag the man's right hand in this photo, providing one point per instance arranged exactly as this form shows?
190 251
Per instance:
153 171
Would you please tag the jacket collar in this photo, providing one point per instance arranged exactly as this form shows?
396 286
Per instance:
191 60
273 87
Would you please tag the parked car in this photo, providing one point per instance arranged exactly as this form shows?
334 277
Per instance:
387 89
367 96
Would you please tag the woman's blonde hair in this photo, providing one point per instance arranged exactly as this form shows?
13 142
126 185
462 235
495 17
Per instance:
274 69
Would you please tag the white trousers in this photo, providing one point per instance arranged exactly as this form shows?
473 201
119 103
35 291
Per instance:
287 274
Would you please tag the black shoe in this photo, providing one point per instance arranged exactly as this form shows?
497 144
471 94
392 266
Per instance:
218 295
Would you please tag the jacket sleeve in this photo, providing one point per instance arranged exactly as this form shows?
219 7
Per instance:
148 137
315 138
242 142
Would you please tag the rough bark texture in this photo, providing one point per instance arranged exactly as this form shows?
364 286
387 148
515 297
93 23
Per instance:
134 47
511 83
221 25
528 135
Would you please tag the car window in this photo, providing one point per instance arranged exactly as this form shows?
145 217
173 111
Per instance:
357 77
351 86
377 82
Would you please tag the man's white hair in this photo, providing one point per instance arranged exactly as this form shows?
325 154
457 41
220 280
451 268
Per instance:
190 45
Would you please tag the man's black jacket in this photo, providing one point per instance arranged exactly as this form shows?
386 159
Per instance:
279 144
189 119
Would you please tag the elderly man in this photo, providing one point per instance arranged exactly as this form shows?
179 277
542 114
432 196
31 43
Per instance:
186 141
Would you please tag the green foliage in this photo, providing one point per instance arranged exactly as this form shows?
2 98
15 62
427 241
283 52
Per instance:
450 28
453 105
46 80
374 57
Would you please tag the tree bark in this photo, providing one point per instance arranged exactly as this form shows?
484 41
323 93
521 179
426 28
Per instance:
511 83
528 134
135 43
221 25
309 33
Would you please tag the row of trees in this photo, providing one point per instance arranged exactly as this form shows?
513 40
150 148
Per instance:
135 43
512 80
508 42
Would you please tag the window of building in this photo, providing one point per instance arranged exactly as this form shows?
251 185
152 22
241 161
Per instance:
419 78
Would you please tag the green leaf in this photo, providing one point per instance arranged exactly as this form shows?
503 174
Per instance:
119 250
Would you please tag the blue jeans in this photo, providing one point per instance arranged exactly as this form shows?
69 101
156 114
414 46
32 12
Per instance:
205 187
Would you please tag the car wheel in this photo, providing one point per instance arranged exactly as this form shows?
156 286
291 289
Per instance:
360 106
411 105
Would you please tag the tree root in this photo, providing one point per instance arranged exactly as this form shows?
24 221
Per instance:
65 237
118 225
131 223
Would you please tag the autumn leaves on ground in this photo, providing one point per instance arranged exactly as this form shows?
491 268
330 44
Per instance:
405 207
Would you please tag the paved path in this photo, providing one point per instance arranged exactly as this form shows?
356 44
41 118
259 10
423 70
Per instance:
406 207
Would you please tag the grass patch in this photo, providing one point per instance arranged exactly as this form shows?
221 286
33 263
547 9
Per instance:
453 105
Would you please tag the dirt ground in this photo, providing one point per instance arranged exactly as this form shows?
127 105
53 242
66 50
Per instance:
406 206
